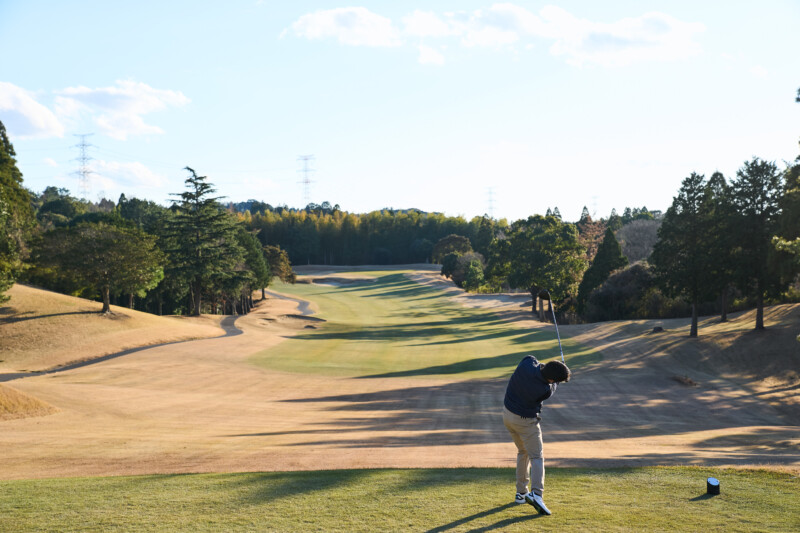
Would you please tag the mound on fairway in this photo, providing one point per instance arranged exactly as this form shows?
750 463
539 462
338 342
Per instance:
14 404
43 329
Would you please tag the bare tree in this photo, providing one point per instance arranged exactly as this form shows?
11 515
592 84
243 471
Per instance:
638 238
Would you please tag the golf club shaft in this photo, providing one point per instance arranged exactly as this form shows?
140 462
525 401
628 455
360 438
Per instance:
558 336
555 322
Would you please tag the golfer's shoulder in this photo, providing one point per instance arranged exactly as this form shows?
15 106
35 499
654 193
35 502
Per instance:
529 360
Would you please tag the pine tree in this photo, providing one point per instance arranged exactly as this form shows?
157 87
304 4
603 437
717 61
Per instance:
756 196
681 258
203 239
609 258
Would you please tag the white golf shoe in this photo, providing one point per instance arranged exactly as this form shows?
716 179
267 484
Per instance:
519 497
537 502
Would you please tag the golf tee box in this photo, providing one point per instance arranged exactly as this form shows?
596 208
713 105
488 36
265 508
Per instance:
712 485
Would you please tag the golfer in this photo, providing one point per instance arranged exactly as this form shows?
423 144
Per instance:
530 384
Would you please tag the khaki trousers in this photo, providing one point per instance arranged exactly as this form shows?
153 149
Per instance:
527 435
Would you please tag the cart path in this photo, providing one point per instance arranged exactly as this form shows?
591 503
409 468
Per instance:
199 406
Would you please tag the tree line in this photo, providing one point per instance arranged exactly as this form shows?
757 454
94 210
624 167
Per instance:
194 256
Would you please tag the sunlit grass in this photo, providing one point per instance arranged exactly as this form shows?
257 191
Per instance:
396 327
467 499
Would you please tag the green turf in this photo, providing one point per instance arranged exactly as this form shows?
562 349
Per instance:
472 499
396 327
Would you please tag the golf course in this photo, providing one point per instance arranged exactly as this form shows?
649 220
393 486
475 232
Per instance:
370 399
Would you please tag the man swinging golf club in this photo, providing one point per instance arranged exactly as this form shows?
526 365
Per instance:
531 384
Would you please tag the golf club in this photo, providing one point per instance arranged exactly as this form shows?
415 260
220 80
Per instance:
544 294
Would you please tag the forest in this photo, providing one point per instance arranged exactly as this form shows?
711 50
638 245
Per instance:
724 244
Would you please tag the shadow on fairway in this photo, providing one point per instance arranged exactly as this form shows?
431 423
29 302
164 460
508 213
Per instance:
702 497
509 361
483 514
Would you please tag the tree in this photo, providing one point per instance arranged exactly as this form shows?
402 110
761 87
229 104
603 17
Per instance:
473 277
204 247
448 244
614 220
544 253
608 259
16 216
722 243
254 259
279 265
449 263
462 266
112 260
756 196
637 238
680 258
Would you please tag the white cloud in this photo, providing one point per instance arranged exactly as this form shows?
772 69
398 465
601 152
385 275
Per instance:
430 56
118 110
49 161
427 24
24 117
649 37
114 175
354 26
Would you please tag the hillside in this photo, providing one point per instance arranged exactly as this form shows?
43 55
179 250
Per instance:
42 329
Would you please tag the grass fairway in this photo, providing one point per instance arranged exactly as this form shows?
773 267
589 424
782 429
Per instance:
640 499
395 327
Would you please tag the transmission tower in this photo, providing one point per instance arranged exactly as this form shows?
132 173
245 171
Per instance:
306 180
491 202
83 159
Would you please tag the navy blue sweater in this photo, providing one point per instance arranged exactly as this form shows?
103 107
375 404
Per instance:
527 389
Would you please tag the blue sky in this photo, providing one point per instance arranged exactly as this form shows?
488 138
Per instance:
440 106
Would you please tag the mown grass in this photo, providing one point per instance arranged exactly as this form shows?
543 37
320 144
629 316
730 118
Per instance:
395 327
436 500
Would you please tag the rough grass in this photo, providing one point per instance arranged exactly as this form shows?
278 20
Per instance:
437 500
43 329
14 404
412 330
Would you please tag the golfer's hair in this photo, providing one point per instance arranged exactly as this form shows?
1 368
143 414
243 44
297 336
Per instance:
557 371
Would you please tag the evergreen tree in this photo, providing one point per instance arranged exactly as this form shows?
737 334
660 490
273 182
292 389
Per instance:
545 253
16 216
110 259
756 196
680 258
255 260
204 247
721 243
609 258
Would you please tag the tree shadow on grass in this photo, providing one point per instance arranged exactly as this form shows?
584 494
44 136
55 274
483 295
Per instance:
508 361
18 318
483 514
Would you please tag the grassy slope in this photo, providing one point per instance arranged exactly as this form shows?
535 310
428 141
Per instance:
642 499
413 330
43 329
14 404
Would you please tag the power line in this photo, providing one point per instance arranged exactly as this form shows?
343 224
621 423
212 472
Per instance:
306 181
491 202
83 159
